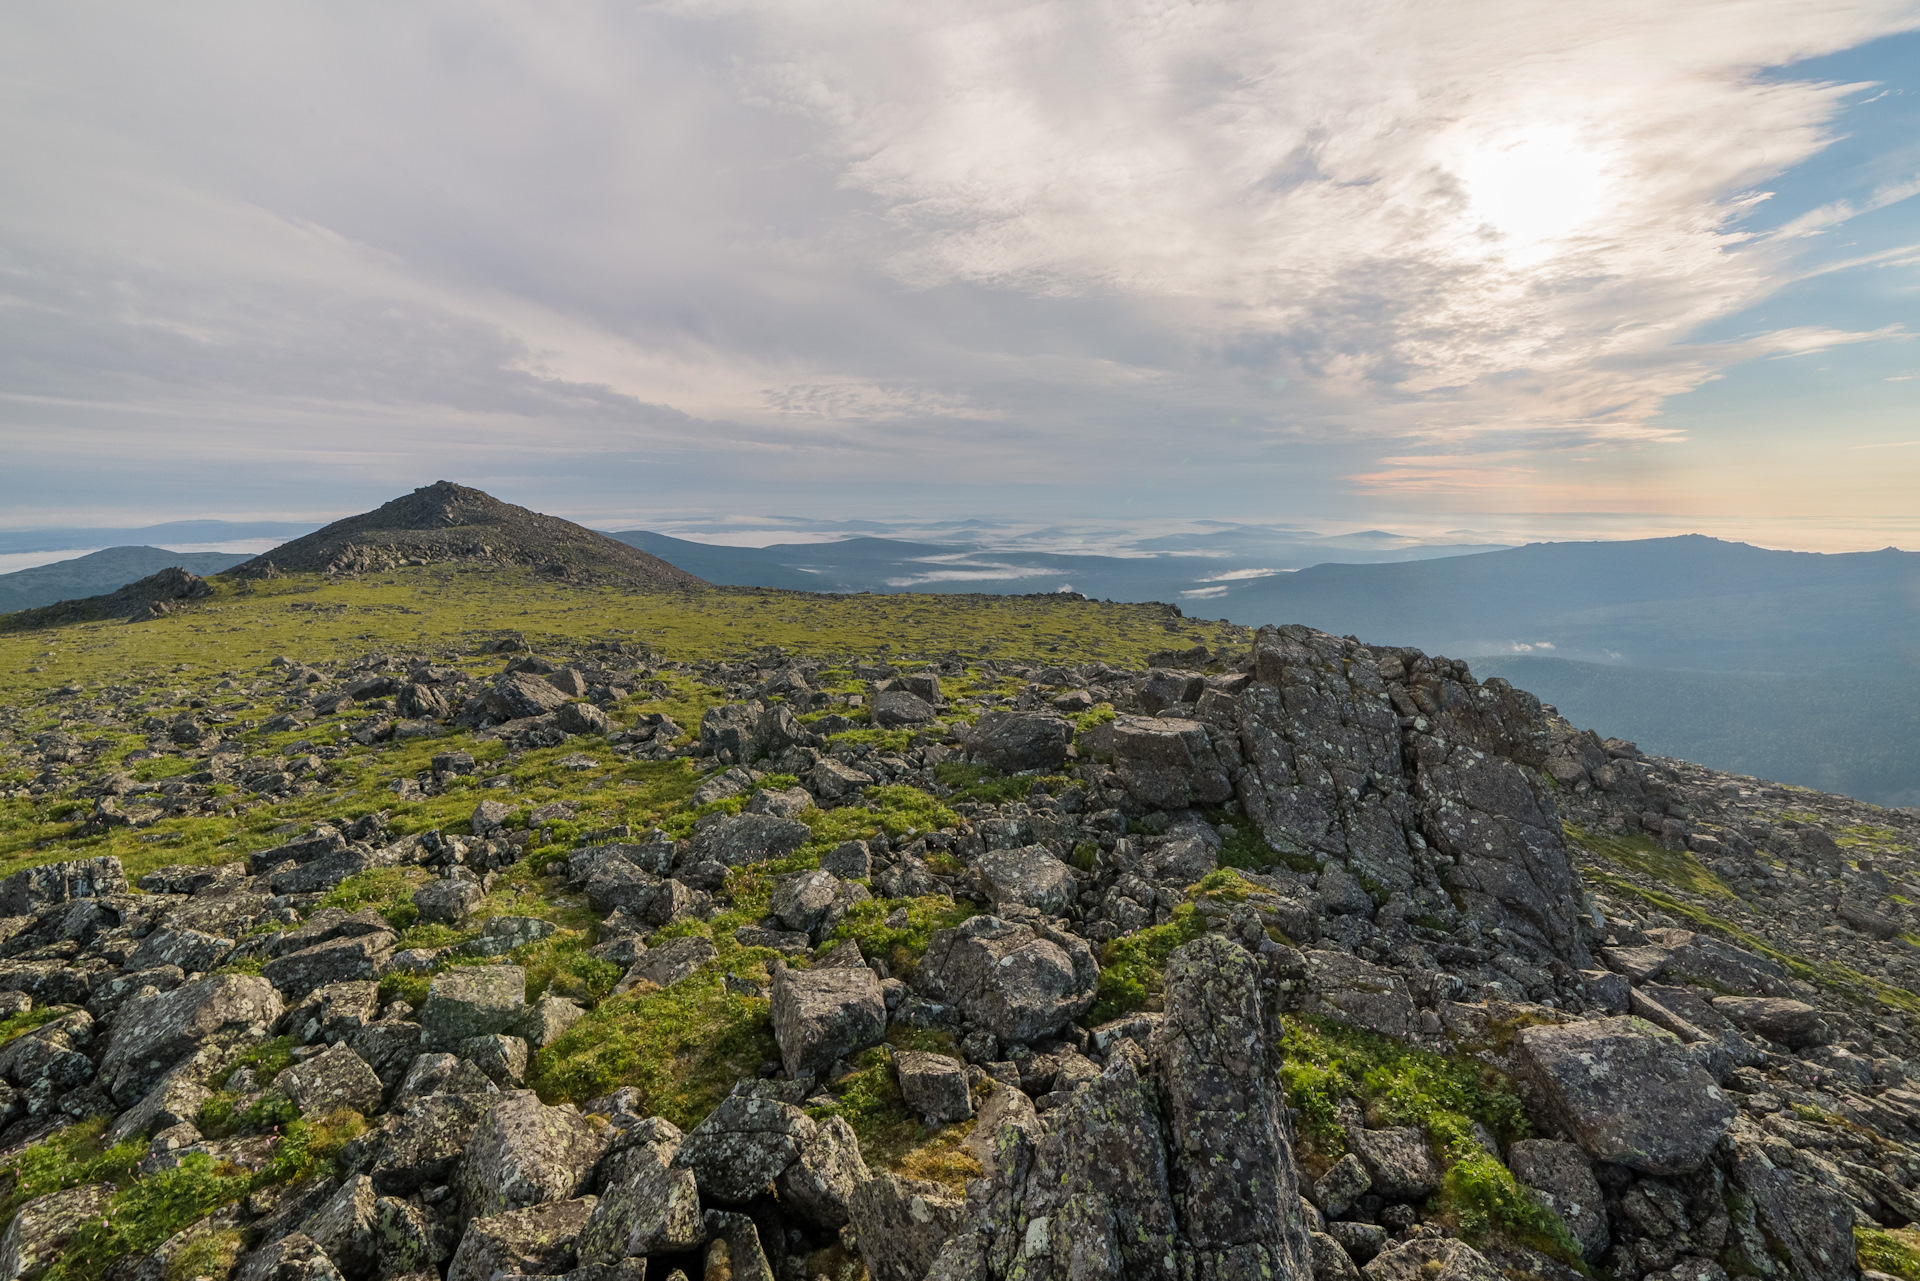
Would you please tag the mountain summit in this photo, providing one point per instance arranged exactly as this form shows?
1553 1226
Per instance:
444 522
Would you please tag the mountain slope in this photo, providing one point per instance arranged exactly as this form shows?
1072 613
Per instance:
444 522
96 573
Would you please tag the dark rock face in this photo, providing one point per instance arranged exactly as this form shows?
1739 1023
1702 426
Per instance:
1013 741
1172 1164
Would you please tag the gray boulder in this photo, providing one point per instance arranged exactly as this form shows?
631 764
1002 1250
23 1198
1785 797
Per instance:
742 1146
535 1241
672 961
805 901
344 1226
1794 1024
27 892
833 780
420 1144
1030 876
333 1079
734 840
1399 1160
42 1227
899 708
518 695
820 1183
473 1000
1787 1222
448 901
1343 1184
647 1205
1627 1092
826 1013
193 951
1431 1259
1350 990
291 1258
153 1034
525 1153
1009 980
1015 741
1561 1176
337 960
902 1225
1169 764
933 1085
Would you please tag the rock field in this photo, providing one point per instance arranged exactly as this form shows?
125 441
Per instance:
1311 960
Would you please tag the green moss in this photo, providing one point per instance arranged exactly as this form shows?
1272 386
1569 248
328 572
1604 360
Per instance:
1133 968
900 946
268 1059
69 1158
1324 1062
142 1216
411 988
16 1024
1247 848
389 890
891 1136
1678 868
1895 1253
978 783
682 1047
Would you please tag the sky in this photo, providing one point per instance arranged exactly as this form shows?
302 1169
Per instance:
1526 270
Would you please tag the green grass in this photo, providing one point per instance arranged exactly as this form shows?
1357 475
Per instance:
1678 868
901 946
1325 1062
891 1137
1895 1253
15 1025
1133 967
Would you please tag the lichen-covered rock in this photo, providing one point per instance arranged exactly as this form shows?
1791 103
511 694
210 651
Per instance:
1168 763
502 1058
421 1142
344 1224
898 708
1788 1224
1235 1185
742 1146
1009 980
734 840
473 1000
153 1034
1345 1182
1433 1259
933 1085
734 1249
1014 741
535 1241
1346 988
291 1258
819 1185
826 1013
547 1018
52 883
41 1227
335 1078
524 1153
647 1205
1628 1093
1331 1262
1794 1024
1029 875
1560 1175
194 951
54 1053
1399 1160
902 1225
680 958
448 901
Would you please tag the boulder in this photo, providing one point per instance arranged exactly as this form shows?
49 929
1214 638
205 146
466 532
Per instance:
1007 1107
421 1142
1627 1092
525 1153
1345 988
1330 1260
291 1258
734 1250
933 1085
431 1074
41 1227
647 1205
902 1225
502 1058
742 1146
152 1034
1237 1190
1794 1024
518 695
1009 980
27 892
1431 1259
1399 1161
338 960
344 1226
672 961
1015 741
1561 1176
333 1079
899 708
1345 1182
1788 1224
833 780
193 951
1030 876
548 1018
617 885
448 901
535 1241
825 1013
473 1000
819 1185
1169 763
734 840
805 900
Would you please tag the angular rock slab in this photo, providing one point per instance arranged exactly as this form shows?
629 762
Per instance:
335 1078
1628 1093
1560 1175
902 1225
647 1205
152 1035
1016 983
473 1000
826 1013
536 1241
743 1146
525 1153
42 1226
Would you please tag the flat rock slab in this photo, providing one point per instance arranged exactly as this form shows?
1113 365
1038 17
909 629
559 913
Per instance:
1628 1093
743 1146
473 1000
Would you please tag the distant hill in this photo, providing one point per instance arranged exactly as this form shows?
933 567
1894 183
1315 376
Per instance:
444 522
101 572
151 597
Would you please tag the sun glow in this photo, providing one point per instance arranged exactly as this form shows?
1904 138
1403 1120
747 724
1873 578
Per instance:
1532 189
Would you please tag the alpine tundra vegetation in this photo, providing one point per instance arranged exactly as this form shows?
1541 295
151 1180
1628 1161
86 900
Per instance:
480 900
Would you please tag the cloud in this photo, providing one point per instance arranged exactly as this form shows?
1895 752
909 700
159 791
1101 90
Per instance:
1206 257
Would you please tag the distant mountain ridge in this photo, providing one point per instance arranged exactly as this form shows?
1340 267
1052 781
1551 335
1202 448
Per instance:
101 572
